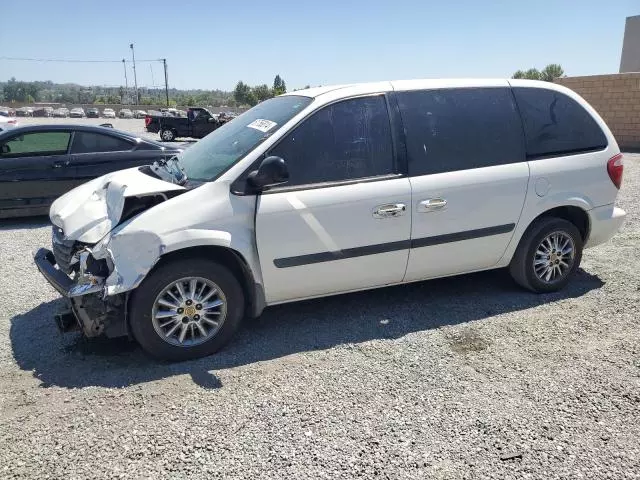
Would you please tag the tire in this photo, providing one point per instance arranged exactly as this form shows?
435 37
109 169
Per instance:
167 135
144 306
529 251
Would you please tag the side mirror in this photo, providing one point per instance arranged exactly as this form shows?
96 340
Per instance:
5 149
272 171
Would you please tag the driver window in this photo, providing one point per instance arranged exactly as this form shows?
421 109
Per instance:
37 143
347 140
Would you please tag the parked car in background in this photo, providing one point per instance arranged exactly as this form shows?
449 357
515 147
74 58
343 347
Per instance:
170 112
61 112
38 163
24 112
108 113
43 112
93 113
493 174
139 114
7 122
125 113
198 123
7 112
77 113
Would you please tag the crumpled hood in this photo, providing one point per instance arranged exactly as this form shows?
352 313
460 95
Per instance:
87 213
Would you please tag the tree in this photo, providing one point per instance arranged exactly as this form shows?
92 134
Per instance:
244 95
121 93
263 92
551 72
279 86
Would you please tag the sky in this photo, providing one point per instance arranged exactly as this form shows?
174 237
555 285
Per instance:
213 44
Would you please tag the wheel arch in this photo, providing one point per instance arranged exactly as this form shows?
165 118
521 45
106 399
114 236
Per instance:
578 216
234 261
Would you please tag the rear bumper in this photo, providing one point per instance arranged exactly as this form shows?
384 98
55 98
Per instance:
605 223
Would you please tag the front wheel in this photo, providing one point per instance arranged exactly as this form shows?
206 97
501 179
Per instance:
548 255
186 309
167 135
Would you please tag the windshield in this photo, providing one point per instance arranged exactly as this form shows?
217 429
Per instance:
223 147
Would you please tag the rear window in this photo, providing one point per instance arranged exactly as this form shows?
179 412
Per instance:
460 129
88 142
555 124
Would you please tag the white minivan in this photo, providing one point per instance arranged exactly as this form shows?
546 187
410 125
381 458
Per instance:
331 190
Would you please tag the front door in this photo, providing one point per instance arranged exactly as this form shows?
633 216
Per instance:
201 125
469 177
343 220
33 167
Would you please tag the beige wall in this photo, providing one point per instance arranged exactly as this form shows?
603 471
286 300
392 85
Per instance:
617 99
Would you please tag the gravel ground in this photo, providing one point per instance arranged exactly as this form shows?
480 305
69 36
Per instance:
461 378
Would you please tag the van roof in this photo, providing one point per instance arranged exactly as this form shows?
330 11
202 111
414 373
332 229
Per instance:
418 84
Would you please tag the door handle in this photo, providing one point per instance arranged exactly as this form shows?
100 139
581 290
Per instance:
389 210
432 205
60 164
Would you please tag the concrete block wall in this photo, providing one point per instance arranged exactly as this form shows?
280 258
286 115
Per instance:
616 97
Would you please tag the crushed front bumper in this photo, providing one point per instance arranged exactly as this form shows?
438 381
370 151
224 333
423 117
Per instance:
94 313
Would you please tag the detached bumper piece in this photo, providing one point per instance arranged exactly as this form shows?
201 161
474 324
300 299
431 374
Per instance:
93 314
45 261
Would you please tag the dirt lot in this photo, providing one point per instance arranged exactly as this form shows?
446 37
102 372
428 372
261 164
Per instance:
467 377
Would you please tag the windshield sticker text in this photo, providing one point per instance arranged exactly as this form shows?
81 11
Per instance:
262 125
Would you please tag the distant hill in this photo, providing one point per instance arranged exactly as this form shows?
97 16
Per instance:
19 91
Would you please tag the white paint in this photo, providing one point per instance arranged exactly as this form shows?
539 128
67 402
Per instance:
87 213
332 219
478 198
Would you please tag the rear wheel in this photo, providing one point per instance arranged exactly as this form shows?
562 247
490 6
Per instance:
548 255
167 135
186 309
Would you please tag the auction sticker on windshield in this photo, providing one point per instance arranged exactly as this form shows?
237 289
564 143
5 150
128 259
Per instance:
262 125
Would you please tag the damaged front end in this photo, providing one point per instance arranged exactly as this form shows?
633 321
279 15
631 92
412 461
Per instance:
91 265
89 310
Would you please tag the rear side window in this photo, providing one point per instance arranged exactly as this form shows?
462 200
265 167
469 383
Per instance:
555 124
344 141
87 142
37 143
460 129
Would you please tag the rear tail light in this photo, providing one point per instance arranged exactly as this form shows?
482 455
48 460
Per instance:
614 169
147 120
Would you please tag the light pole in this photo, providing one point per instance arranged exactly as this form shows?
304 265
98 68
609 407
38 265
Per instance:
126 82
135 78
166 80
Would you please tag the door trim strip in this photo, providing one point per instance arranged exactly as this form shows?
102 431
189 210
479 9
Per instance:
320 257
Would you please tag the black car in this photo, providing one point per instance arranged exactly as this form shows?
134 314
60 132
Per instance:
93 113
38 163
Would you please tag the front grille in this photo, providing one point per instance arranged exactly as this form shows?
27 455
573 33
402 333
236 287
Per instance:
63 250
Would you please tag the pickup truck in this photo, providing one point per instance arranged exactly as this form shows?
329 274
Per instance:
198 123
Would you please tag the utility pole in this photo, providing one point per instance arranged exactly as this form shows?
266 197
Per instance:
135 77
166 80
126 82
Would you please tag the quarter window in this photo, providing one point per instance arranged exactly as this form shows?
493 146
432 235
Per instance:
344 141
555 124
87 142
459 129
38 143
